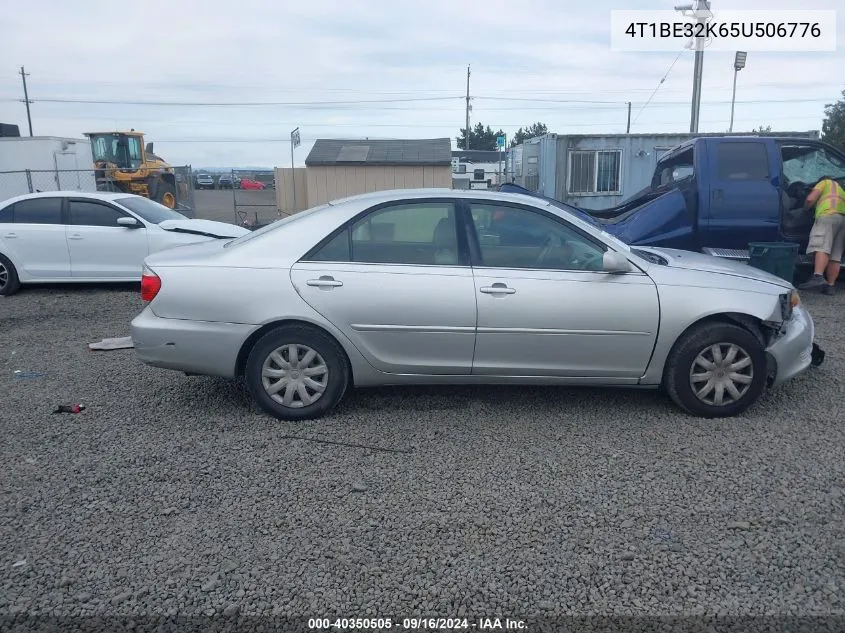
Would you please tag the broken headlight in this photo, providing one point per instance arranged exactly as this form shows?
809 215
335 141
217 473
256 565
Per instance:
788 302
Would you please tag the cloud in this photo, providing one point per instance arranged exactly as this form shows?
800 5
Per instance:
545 52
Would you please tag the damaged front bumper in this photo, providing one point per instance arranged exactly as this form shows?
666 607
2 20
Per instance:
794 350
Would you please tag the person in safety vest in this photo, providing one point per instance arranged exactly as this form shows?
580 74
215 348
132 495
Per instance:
827 237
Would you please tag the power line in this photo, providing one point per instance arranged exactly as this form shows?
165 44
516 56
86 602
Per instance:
657 87
241 103
427 91
587 104
571 125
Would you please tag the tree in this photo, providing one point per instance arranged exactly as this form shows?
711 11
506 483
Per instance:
531 131
762 130
480 137
833 127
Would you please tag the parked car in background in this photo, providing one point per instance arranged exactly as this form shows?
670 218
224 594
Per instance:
251 183
205 181
443 286
71 236
228 181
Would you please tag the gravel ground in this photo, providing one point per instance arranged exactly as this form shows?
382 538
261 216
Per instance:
174 495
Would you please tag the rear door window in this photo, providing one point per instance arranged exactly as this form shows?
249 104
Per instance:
407 233
38 211
742 161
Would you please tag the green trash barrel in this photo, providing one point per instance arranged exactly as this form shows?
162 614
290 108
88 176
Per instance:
777 258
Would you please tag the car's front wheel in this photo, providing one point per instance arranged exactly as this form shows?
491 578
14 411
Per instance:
716 370
297 373
9 282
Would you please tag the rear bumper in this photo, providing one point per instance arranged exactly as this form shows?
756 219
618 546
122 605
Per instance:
197 347
792 352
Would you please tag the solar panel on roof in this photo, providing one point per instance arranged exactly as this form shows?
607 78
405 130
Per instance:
353 153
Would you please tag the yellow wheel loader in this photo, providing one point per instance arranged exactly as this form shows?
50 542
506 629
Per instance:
123 163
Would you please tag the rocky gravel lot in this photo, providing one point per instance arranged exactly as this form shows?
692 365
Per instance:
172 495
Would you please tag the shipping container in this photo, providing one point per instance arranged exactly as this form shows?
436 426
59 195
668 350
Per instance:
45 163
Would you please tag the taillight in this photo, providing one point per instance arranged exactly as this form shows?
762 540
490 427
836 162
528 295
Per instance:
150 284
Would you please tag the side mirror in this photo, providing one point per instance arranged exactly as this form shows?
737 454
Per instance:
129 223
149 148
613 262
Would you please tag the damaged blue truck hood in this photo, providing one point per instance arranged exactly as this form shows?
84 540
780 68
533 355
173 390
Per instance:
652 217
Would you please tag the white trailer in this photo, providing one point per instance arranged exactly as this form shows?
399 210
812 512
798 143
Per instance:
45 163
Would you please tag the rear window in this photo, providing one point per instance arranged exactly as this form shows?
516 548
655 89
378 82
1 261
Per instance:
743 161
38 211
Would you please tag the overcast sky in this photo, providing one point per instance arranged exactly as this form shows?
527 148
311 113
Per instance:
398 69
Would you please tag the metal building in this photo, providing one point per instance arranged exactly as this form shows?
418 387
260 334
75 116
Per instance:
600 171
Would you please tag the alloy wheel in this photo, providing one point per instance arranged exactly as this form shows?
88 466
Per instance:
4 275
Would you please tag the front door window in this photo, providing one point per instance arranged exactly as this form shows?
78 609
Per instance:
515 237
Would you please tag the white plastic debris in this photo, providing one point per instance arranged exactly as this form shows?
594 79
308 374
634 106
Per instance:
20 563
123 342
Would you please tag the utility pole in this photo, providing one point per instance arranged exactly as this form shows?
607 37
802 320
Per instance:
628 131
701 12
466 144
26 100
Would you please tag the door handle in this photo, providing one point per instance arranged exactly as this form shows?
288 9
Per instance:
75 236
326 281
497 289
717 194
11 236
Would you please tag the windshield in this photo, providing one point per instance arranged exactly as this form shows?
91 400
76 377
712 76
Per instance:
808 164
150 211
119 149
575 211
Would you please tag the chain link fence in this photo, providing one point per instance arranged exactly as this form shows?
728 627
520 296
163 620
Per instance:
253 197
18 183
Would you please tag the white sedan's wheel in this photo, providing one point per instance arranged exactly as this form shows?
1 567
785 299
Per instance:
9 282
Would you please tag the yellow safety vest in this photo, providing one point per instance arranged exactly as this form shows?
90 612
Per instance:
832 199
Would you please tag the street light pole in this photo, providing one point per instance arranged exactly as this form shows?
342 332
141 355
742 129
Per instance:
739 64
294 143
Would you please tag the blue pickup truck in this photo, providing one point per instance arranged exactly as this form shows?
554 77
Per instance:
716 194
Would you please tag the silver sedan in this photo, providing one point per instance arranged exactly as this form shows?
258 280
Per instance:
441 286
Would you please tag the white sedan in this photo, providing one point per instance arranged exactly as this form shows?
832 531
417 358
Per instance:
71 236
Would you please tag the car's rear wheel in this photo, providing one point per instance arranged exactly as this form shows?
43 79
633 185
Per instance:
297 373
9 282
716 370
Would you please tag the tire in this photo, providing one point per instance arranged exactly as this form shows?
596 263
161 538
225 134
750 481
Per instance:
165 194
701 340
328 354
9 281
